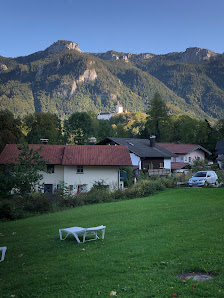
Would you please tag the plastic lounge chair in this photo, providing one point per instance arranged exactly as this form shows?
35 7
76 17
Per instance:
3 249
84 232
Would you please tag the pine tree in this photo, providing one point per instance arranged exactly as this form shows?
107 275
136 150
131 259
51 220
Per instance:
158 122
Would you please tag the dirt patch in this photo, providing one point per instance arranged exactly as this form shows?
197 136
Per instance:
196 276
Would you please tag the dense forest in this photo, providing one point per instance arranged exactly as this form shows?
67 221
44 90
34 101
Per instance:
81 126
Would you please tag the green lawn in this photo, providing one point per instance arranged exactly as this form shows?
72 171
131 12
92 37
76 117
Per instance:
148 243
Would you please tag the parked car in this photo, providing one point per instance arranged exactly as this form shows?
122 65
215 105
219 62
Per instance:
202 178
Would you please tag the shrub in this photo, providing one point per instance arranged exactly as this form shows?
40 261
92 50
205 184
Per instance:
39 202
11 209
169 182
96 196
17 206
118 195
100 185
220 175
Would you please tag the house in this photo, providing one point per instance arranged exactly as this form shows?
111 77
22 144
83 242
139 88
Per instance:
107 116
77 166
104 116
185 154
145 154
220 152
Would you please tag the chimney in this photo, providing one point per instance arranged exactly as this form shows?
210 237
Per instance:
44 141
92 141
152 141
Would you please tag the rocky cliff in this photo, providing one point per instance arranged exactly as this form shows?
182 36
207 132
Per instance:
62 45
195 55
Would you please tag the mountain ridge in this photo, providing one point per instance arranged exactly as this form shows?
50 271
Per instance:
63 79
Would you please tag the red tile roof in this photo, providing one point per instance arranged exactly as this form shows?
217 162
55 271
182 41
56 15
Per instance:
75 154
178 165
180 148
53 154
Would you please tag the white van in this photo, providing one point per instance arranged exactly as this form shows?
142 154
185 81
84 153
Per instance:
203 177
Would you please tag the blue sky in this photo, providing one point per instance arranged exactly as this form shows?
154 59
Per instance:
135 26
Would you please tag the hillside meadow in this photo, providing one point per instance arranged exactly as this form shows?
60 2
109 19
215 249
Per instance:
148 243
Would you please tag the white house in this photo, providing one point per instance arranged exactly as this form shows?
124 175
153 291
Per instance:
107 116
77 166
185 154
104 116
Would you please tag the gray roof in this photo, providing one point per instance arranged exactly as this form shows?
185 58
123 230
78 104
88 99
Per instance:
141 147
220 147
221 157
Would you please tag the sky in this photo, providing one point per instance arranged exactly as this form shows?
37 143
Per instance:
130 26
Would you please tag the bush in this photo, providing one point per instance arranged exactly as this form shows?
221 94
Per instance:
96 195
170 182
100 185
118 195
220 175
11 209
39 203
17 206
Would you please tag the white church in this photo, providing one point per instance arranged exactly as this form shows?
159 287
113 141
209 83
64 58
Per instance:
106 116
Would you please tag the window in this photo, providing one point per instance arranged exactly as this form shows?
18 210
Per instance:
161 166
79 169
145 166
48 188
50 168
190 159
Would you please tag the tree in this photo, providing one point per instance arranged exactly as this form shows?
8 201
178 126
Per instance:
78 128
43 126
128 124
185 129
219 127
10 132
120 131
24 173
104 129
194 131
158 121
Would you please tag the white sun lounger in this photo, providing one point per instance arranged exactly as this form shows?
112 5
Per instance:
84 232
3 249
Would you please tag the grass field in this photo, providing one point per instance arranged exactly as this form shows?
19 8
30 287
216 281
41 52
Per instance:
148 243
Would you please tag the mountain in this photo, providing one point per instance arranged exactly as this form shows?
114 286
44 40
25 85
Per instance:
62 79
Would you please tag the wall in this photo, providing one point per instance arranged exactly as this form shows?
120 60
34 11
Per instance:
185 157
136 161
152 163
104 116
54 178
167 163
195 154
90 175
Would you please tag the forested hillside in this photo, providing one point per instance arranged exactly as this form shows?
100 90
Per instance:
63 80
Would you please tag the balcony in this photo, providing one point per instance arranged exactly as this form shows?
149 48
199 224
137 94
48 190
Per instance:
159 172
